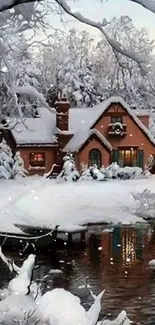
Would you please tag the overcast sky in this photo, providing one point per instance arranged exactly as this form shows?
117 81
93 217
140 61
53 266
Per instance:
98 10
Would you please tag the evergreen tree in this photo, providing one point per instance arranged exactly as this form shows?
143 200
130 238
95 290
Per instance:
6 161
69 171
18 167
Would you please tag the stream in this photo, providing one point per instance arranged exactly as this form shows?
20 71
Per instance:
115 260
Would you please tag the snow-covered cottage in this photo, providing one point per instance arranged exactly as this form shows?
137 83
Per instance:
110 131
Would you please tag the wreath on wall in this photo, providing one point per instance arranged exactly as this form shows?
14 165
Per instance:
117 128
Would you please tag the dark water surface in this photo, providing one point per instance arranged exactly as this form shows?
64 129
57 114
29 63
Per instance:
116 261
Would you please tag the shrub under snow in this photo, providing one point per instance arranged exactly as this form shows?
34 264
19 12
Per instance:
115 171
92 173
69 171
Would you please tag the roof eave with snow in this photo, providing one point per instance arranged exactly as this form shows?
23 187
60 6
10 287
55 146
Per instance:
119 100
75 147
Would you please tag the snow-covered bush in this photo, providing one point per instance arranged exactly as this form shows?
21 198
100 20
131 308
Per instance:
145 204
111 171
85 174
6 161
18 167
69 171
132 173
145 199
114 171
92 173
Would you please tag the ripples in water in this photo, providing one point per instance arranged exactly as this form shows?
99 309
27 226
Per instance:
116 261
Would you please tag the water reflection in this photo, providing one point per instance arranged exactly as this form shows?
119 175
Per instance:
116 261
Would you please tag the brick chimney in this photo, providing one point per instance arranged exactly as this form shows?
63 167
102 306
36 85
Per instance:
62 124
62 114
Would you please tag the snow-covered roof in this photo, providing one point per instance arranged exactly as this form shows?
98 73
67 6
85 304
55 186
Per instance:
140 112
38 130
84 119
80 118
41 130
81 137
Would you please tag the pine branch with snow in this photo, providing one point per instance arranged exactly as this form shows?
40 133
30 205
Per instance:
18 167
6 161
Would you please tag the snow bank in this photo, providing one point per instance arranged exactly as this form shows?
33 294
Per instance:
71 204
36 201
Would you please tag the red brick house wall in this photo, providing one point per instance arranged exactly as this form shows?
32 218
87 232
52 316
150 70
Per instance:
84 153
145 120
49 158
134 136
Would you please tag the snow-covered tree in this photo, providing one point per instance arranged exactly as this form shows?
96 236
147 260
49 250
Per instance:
27 78
69 171
18 167
28 16
71 68
134 55
6 161
118 75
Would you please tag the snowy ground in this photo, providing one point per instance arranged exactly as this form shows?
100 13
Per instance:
40 202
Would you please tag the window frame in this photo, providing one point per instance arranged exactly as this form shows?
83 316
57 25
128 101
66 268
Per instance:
128 157
116 119
96 159
36 162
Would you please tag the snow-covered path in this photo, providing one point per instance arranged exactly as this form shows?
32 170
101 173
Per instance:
37 201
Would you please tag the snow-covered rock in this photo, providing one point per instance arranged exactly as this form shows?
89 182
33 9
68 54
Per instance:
152 264
61 307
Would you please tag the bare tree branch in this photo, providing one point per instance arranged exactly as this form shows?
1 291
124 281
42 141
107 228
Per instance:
13 3
148 4
114 44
